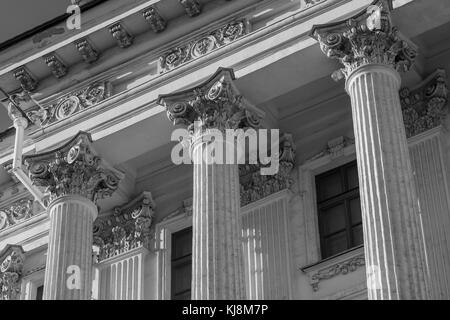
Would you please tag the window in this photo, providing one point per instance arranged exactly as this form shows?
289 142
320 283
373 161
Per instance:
340 223
181 264
39 292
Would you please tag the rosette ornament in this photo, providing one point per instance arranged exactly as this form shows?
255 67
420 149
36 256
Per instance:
216 103
73 169
366 38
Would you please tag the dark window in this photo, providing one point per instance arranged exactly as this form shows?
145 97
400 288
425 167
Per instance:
181 264
39 292
339 208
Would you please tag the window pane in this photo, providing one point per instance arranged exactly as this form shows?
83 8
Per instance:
357 233
39 292
181 264
333 219
355 210
335 244
329 185
352 177
181 277
182 243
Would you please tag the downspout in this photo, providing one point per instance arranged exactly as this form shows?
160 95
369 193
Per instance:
20 123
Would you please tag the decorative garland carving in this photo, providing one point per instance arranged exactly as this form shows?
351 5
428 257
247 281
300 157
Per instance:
127 228
16 212
11 266
254 186
70 104
335 148
202 45
357 41
345 267
73 168
425 107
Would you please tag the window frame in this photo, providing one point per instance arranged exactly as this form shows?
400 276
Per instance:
344 198
179 261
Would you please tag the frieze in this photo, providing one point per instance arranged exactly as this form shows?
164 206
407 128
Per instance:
129 227
254 186
17 212
202 45
425 107
70 104
11 266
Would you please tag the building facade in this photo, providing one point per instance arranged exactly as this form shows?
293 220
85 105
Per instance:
92 205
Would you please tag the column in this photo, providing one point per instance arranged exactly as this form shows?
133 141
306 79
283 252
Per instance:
75 178
424 112
372 53
208 110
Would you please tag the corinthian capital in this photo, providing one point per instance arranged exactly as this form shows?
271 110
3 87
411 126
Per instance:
214 104
73 169
368 37
11 265
425 106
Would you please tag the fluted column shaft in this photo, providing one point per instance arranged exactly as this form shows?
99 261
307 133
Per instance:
393 237
69 248
218 271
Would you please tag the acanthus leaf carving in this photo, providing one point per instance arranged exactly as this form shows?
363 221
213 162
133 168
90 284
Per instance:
11 266
216 104
425 106
73 169
254 186
129 227
355 42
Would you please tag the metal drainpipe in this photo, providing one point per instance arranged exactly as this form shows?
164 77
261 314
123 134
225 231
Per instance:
20 123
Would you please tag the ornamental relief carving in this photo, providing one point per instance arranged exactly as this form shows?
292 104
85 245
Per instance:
17 212
70 104
202 45
129 227
367 38
254 186
11 266
343 268
425 107
74 168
